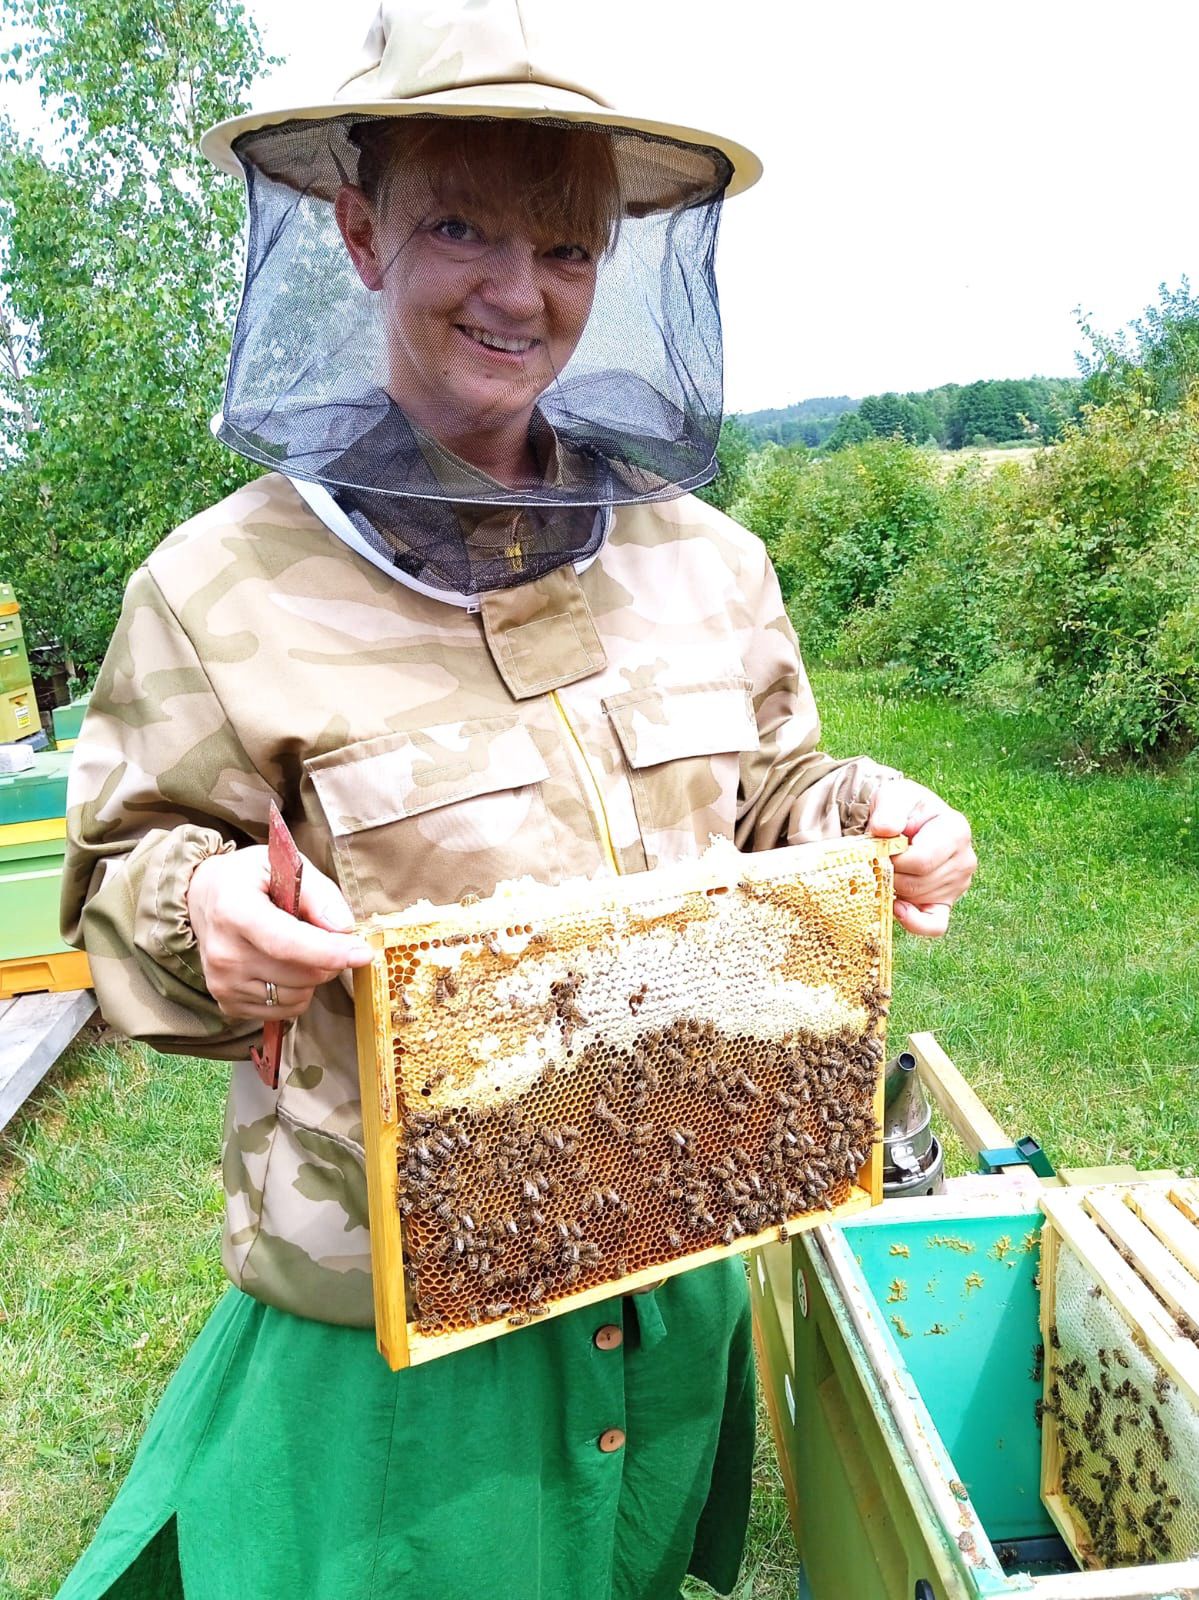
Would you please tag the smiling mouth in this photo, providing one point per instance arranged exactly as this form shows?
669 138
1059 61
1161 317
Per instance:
495 341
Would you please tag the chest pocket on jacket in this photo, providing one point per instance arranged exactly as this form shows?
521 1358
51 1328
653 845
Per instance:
436 813
683 748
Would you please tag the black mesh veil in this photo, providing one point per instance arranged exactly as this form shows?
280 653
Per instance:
501 326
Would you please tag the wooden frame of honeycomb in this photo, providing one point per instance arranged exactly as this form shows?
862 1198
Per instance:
576 1091
1120 1323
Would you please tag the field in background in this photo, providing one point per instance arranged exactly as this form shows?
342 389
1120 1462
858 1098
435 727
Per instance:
1067 991
1024 455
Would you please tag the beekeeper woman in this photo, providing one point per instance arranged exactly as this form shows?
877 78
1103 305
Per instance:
467 627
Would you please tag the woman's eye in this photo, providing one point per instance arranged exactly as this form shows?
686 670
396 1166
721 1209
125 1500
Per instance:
457 230
570 252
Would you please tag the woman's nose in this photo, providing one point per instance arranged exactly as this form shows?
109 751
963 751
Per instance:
512 284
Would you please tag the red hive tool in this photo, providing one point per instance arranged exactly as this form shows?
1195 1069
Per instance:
286 869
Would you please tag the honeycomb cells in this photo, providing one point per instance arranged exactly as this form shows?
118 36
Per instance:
1127 1436
592 1092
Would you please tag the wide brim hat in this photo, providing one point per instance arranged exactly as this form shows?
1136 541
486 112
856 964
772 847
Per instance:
486 59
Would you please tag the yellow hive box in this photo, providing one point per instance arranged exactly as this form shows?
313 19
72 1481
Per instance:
570 1092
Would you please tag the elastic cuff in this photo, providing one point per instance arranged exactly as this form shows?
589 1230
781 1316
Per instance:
856 809
171 935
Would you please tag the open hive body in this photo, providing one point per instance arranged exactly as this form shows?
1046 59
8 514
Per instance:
1120 1320
571 1092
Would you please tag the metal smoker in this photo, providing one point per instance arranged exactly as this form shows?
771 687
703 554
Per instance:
913 1161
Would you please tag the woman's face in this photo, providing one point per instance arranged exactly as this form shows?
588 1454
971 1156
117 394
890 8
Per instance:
481 317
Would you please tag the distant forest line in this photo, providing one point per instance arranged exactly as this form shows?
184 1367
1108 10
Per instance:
993 411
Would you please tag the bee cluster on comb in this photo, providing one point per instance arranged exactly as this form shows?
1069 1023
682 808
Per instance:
1120 1416
570 1092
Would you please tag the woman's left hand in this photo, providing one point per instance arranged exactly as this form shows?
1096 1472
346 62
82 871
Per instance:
936 868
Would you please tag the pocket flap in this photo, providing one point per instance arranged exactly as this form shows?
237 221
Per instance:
402 774
697 719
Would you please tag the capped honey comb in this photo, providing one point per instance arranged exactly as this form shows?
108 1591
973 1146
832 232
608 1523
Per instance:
1120 1319
571 1092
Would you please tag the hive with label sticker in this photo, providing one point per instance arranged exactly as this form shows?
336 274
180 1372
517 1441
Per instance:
1120 1318
571 1092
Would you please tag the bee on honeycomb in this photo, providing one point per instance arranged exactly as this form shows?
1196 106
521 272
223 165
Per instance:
595 1089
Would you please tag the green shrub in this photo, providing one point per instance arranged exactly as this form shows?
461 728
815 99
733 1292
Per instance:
769 490
1096 574
937 619
859 517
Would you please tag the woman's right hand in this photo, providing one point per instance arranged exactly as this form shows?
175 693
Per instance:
245 940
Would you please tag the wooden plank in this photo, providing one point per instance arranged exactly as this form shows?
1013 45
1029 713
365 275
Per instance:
6 1005
1169 1281
1120 1172
1178 1235
37 1028
954 1098
380 1139
1173 1580
871 1175
1186 1197
1058 1507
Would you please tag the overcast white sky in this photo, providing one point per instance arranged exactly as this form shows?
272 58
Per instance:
945 180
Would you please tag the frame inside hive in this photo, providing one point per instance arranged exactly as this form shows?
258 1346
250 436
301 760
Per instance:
1120 1322
571 1092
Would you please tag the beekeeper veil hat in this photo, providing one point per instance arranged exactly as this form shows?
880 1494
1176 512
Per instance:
465 240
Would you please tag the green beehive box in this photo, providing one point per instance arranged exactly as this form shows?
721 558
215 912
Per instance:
37 794
8 599
30 882
908 1412
68 719
10 629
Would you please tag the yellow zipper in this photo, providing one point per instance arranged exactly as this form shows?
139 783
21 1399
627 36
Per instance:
599 814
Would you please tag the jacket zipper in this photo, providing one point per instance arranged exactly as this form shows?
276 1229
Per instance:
599 814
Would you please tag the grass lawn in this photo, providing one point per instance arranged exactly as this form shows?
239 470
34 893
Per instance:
1068 992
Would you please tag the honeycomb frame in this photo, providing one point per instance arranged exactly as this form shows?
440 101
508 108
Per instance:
576 1091
1120 1415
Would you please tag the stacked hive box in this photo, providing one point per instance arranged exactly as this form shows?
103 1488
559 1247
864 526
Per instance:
32 842
18 706
68 720
571 1092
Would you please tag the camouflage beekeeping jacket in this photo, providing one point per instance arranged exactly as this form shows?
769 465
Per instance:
615 718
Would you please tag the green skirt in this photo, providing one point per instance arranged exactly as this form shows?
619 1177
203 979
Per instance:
286 1460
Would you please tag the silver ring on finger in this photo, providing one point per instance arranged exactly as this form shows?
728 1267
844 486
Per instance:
272 994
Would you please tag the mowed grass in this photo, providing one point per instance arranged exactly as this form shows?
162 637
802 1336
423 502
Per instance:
110 1210
1067 991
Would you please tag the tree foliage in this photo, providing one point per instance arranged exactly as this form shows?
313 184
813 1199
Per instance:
1156 356
808 422
732 454
838 529
118 279
992 411
1070 586
1098 567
